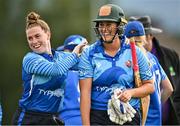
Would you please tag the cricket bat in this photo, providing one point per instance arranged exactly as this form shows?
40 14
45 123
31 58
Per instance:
145 101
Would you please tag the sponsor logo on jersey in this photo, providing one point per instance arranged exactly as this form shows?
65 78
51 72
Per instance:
56 93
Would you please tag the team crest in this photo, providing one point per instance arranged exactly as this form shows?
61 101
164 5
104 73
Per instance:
128 63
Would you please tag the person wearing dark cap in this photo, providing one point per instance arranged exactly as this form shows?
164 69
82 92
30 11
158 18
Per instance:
135 29
70 112
169 61
106 66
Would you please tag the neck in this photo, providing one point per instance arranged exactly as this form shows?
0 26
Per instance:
149 46
149 43
49 49
112 48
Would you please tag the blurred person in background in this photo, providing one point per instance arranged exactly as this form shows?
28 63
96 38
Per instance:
44 71
0 114
169 61
135 29
70 112
105 66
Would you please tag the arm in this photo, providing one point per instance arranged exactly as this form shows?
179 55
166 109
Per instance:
36 64
167 90
165 84
85 102
142 91
86 77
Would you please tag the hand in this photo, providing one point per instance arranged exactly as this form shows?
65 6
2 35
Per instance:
79 48
125 96
119 112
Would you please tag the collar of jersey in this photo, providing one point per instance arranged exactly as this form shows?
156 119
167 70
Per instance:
99 47
47 56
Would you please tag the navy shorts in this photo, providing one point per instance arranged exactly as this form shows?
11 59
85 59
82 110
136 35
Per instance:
22 117
100 117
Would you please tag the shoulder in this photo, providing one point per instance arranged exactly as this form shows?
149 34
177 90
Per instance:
95 45
165 50
170 54
31 55
150 55
152 58
93 48
168 51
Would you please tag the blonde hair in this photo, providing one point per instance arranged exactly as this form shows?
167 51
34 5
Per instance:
33 19
140 44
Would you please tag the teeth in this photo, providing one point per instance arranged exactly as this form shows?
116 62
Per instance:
36 46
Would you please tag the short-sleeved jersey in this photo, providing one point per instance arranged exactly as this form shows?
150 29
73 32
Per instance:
70 112
43 80
154 113
109 73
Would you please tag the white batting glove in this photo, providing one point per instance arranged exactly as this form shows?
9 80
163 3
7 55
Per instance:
118 111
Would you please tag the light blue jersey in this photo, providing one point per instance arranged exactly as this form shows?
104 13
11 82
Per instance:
0 114
43 80
109 73
154 113
70 113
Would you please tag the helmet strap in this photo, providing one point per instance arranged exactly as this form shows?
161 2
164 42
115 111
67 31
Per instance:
111 41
